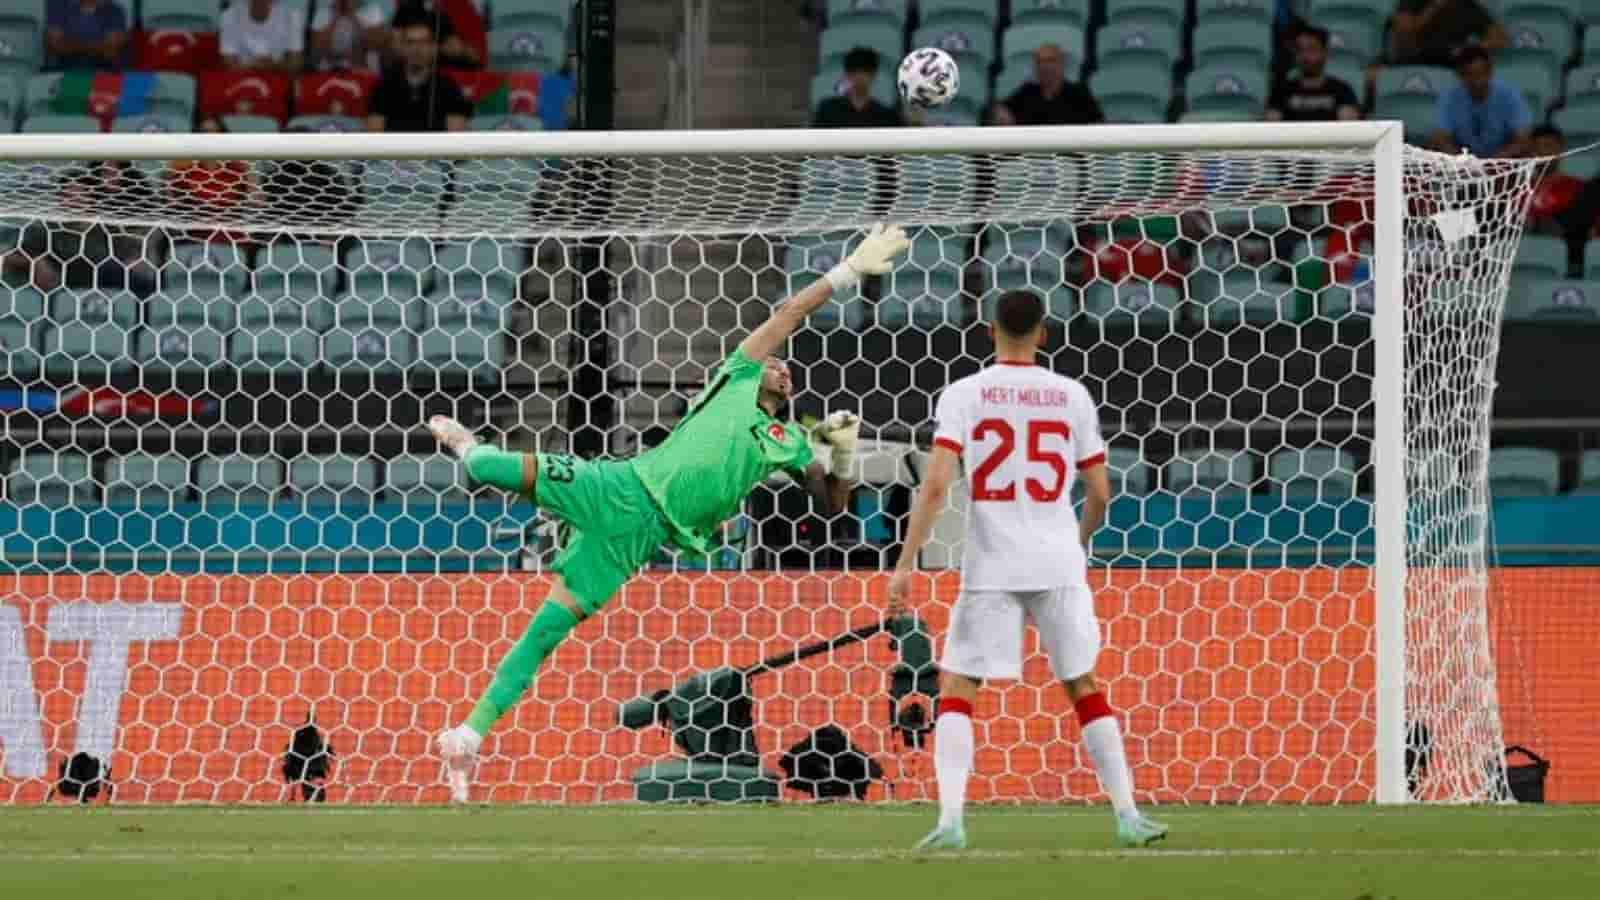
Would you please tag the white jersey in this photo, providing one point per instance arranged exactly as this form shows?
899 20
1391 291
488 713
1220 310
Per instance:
1022 433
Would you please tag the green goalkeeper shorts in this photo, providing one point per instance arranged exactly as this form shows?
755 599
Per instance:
610 525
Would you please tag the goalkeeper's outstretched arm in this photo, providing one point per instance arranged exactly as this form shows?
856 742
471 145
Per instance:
873 256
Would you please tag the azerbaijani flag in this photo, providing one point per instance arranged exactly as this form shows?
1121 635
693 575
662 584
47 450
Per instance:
105 95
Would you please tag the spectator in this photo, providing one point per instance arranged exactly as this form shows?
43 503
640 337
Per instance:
263 34
856 108
1049 99
348 34
1311 94
1428 32
1480 112
413 96
83 253
209 187
86 34
457 26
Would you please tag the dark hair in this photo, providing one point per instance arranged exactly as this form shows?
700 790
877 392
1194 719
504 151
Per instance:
1548 131
861 59
1321 34
1466 56
1018 313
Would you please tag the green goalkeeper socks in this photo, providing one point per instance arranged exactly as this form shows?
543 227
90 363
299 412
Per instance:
491 465
511 680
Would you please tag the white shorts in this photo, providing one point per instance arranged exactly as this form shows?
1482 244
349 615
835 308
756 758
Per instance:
985 639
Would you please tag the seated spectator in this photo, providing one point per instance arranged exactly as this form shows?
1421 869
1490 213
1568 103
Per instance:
856 108
85 34
1310 94
263 35
348 34
1428 32
209 187
413 96
457 26
83 253
1049 99
1480 112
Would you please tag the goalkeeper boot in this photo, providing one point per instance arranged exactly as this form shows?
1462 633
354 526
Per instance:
458 751
453 435
945 837
1137 831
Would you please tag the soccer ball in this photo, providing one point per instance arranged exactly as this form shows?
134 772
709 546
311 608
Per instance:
929 78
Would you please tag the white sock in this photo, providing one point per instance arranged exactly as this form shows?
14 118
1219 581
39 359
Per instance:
952 763
1103 738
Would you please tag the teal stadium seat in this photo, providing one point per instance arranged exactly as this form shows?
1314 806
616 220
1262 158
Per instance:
50 479
333 478
180 15
842 12
1554 301
1148 44
883 37
534 47
970 45
1133 90
1050 12
981 13
431 479
144 479
543 13
1018 42
805 260
239 479
1523 472
1326 473
1227 90
1244 12
1241 45
1589 472
1132 302
250 124
1411 94
1169 13
1541 256
1214 473
50 124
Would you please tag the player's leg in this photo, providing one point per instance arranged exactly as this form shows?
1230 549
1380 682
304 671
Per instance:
985 641
1071 638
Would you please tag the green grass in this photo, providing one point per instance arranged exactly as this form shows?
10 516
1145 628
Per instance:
742 853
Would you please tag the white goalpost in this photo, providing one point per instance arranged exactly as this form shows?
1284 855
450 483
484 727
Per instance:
1291 328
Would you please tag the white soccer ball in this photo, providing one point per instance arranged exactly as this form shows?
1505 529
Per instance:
929 78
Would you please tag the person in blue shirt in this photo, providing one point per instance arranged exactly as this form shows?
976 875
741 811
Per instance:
1482 113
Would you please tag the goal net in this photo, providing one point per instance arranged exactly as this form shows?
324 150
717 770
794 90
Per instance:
238 570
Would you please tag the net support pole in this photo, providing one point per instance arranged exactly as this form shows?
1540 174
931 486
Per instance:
591 410
1389 510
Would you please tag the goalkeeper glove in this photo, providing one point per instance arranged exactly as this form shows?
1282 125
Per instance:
841 431
873 256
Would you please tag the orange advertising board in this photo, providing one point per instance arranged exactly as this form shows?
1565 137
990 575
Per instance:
1235 686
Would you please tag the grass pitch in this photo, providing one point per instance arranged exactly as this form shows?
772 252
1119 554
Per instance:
841 851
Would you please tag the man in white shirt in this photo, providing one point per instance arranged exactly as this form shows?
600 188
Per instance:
263 35
1020 431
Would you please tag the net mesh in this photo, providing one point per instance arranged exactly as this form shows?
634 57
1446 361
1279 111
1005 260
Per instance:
223 521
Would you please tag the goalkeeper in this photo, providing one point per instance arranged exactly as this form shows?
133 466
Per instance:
617 513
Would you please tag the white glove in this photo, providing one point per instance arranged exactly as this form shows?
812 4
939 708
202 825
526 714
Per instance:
841 431
873 256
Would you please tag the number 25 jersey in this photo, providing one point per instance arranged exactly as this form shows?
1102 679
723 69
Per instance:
1022 433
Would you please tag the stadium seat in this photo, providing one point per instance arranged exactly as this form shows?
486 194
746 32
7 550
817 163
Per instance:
804 261
505 123
842 12
1227 91
180 347
980 13
1246 296
529 48
385 270
1523 472
880 36
1538 82
50 124
547 13
19 350
1147 44
239 479
1541 257
147 480
1242 12
379 349
225 92
970 45
21 51
1589 472
408 191
51 479
1217 473
1018 42
1167 13
463 349
1327 473
432 479
1554 301
1133 90
334 93
250 124
302 270
1241 45
1050 12
180 15
1132 300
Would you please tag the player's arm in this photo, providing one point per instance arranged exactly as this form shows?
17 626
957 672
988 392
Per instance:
873 256
1097 496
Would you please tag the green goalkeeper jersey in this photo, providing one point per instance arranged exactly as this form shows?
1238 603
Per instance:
721 450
